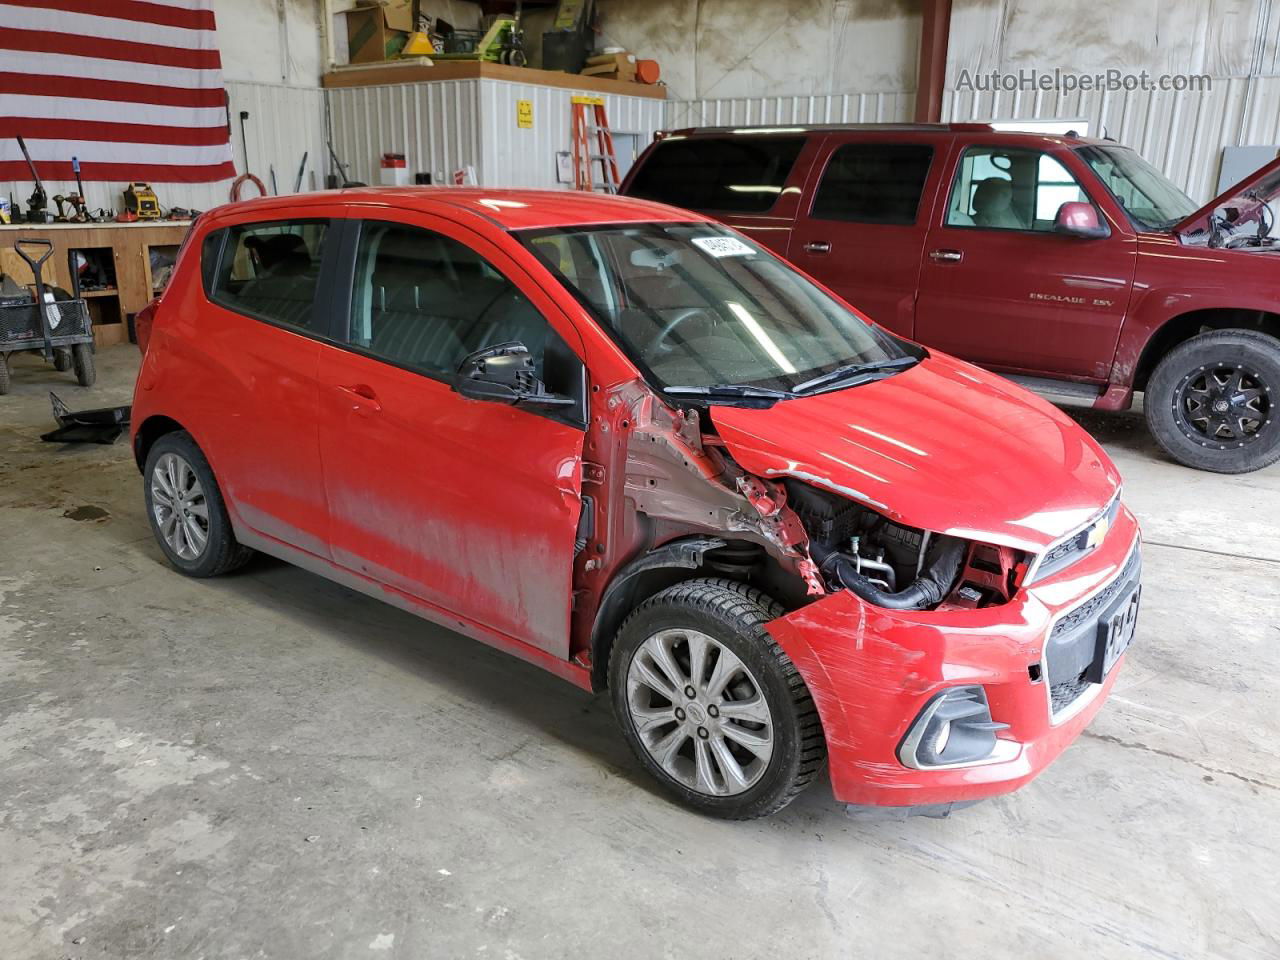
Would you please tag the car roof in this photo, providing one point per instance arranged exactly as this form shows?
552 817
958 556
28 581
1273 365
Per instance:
509 209
936 128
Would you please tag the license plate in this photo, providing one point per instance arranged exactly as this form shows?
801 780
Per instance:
1115 632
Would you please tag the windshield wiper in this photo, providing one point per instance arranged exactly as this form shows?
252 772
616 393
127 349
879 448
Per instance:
728 391
851 370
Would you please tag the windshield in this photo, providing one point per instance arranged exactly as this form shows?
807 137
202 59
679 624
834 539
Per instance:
1146 194
696 305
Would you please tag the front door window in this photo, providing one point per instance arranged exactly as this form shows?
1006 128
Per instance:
1003 188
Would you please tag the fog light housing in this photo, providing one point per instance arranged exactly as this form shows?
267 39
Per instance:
954 729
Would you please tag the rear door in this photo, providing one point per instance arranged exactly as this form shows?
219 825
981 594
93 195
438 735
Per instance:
254 381
751 181
470 506
1001 288
862 225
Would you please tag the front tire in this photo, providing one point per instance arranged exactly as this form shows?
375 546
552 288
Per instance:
186 510
1211 401
710 705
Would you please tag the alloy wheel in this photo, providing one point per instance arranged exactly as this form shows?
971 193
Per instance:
179 506
699 712
1223 405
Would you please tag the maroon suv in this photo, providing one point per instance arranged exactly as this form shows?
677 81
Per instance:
1069 264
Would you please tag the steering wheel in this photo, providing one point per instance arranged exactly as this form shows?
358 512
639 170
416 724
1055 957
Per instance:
660 341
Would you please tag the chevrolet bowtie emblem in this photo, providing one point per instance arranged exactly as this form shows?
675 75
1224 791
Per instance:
1098 533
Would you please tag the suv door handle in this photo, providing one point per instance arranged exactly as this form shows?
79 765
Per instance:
817 246
364 394
946 256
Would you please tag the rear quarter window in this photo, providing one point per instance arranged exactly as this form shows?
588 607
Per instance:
743 174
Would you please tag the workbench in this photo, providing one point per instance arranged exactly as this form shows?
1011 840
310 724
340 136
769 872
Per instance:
129 247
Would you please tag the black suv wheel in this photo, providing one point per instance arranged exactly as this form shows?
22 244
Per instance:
1211 402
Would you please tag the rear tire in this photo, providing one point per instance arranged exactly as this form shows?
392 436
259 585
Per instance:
749 740
1211 401
62 359
82 360
186 510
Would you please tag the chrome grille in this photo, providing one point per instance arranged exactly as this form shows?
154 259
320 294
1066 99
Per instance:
1061 555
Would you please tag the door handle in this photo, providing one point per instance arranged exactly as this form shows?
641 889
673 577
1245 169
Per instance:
364 394
817 246
946 256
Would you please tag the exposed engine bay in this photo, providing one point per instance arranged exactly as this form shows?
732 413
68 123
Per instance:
896 566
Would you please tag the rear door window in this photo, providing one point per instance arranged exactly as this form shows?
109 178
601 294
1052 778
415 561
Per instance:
269 271
743 174
873 183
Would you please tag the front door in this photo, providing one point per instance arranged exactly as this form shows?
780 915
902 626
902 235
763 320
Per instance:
470 506
999 287
860 228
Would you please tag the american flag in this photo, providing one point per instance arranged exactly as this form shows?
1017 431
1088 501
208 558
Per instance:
131 88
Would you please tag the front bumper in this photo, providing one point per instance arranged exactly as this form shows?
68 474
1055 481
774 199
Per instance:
872 670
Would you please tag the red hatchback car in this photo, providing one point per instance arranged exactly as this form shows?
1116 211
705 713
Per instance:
631 446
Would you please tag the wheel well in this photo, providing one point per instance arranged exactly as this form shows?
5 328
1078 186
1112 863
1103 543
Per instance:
1182 328
688 559
152 429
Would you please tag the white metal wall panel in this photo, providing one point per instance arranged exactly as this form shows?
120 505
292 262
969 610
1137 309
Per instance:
446 125
283 122
1181 133
887 107
526 157
435 125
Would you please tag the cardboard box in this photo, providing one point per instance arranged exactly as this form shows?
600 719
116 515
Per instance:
378 31
614 66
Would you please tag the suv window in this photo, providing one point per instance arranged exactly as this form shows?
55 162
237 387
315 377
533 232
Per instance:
743 174
873 183
1010 188
268 271
425 301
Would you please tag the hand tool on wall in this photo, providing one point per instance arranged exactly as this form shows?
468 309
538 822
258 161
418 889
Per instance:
39 202
297 185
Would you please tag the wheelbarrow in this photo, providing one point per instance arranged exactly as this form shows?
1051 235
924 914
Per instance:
60 330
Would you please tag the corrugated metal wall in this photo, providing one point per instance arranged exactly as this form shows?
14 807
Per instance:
445 125
518 157
283 122
435 125
1181 133
889 107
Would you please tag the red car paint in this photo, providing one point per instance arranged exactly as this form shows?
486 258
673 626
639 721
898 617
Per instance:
466 512
1092 316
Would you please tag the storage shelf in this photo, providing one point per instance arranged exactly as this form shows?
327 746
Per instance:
108 292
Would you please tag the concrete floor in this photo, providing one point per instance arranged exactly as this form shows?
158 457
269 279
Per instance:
268 765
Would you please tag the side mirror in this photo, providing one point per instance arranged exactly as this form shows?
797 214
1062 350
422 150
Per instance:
1079 219
504 373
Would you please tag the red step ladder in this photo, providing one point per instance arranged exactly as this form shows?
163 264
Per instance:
585 126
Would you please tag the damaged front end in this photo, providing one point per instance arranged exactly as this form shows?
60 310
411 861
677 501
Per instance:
671 501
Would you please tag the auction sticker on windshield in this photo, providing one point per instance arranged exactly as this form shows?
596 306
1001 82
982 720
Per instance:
722 246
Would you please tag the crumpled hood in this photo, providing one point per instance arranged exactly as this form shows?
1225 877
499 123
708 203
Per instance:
943 446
